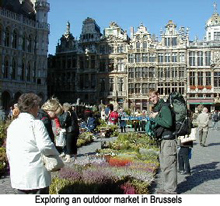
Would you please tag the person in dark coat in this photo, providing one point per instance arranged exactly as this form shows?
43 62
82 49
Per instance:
69 121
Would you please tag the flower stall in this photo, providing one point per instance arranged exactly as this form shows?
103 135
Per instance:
127 166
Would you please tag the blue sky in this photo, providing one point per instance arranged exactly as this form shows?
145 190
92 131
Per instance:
154 14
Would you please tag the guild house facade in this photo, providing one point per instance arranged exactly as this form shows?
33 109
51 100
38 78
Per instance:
24 33
114 67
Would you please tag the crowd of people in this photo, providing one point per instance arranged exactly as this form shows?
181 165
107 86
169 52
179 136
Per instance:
35 127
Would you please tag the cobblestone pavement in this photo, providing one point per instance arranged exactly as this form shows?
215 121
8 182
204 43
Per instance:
205 168
205 165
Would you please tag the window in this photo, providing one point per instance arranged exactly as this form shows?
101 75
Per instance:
29 44
24 42
152 58
13 74
160 72
120 84
174 72
111 65
208 78
23 71
15 40
182 57
192 58
216 79
192 78
102 85
138 45
151 72
7 37
81 62
93 81
130 88
0 34
137 57
6 68
174 57
102 65
145 89
174 41
137 72
131 73
120 49
137 88
207 58
160 57
130 58
102 49
92 62
200 78
144 58
29 72
167 72
167 41
181 72
200 58
144 44
120 65
111 84
144 72
167 57
216 35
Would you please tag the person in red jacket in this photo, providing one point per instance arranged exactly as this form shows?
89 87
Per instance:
113 116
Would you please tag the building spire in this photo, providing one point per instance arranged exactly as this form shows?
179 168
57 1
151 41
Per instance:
215 7
68 28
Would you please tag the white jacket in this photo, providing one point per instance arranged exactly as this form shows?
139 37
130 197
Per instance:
27 139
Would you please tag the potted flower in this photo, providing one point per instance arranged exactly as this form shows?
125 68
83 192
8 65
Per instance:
193 87
200 87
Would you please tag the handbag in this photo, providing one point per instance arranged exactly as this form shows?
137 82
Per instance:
52 163
60 139
191 137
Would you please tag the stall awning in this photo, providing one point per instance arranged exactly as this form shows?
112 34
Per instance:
200 101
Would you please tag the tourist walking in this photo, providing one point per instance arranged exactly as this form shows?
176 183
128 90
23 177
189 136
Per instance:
163 123
203 126
122 121
215 118
27 140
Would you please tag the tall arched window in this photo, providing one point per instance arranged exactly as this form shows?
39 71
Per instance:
29 44
23 70
13 73
0 34
29 72
15 40
7 37
24 42
6 68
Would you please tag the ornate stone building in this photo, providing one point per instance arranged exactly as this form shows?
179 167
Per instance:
24 42
113 67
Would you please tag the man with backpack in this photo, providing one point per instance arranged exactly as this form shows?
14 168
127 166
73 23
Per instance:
163 129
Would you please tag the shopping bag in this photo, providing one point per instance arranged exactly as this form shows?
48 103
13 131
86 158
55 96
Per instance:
188 138
60 138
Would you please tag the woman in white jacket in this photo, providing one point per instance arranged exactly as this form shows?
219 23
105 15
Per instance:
27 140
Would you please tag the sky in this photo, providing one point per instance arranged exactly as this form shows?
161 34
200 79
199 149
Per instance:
154 14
